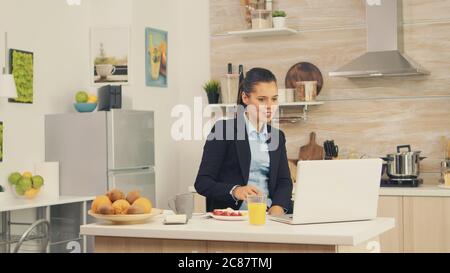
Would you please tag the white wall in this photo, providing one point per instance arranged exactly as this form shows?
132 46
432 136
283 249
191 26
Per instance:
188 25
160 14
195 66
58 35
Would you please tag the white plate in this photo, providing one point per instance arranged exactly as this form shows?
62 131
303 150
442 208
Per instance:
128 218
444 187
229 218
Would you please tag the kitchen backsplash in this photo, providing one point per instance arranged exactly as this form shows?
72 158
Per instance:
366 116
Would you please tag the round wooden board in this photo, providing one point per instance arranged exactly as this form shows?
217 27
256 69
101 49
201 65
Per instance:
304 71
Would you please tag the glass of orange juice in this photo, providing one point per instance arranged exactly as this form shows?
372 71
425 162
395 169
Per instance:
257 206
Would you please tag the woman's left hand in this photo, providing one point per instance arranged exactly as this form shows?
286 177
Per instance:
276 211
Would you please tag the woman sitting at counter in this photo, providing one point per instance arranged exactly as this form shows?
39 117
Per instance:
246 156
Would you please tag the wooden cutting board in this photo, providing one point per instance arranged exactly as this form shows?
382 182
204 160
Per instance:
311 151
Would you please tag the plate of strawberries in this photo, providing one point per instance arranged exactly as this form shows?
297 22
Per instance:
229 214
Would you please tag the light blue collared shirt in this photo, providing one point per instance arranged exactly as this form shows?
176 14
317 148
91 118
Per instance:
260 163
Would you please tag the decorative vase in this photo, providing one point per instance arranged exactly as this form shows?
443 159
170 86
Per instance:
279 22
213 98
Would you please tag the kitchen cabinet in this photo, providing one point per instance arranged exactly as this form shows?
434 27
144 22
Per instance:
143 245
422 224
392 206
233 247
427 224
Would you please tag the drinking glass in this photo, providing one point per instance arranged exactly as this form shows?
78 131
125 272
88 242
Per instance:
257 206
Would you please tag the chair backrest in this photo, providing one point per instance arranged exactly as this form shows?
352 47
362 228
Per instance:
39 230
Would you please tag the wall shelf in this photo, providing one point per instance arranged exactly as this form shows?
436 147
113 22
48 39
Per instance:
263 32
425 22
282 105
283 118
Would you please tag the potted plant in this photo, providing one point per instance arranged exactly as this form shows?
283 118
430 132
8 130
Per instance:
212 89
279 19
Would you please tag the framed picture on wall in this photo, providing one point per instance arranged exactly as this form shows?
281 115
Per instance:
110 55
156 57
21 65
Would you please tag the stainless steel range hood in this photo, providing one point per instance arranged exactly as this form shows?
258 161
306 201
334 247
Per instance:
384 56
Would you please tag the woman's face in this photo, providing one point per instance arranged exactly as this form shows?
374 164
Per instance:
262 103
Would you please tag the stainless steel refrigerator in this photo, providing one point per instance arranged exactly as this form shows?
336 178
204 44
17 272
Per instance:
103 150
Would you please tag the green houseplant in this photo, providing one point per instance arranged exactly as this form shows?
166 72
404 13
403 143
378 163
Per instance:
212 89
279 19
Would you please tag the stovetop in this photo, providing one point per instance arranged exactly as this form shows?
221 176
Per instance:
401 183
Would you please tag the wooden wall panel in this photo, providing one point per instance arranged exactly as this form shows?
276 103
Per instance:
370 116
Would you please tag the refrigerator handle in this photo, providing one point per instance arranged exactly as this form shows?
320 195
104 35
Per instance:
148 169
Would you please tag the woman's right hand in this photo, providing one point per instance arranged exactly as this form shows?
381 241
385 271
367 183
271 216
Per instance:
241 193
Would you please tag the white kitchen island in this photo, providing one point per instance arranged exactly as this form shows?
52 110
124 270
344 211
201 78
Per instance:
208 235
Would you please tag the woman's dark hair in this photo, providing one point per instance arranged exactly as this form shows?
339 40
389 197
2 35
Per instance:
253 78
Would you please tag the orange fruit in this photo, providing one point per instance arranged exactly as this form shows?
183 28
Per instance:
100 200
92 99
121 206
144 203
27 175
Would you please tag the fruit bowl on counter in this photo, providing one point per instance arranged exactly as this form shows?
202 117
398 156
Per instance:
117 208
126 218
26 186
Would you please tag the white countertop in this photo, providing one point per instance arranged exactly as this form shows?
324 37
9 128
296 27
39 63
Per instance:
204 229
11 204
422 191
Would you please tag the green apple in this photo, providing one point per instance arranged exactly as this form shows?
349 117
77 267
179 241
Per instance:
81 97
14 178
19 190
25 184
38 182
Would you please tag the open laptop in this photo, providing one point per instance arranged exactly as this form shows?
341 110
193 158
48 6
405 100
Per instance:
335 191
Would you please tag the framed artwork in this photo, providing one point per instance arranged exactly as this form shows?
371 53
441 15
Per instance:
1 141
156 59
21 66
110 55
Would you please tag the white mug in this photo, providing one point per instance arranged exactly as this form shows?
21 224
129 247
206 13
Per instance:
105 70
183 204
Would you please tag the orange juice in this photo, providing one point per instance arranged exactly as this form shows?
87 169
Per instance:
257 213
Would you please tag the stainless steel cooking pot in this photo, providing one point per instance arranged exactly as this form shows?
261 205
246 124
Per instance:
403 164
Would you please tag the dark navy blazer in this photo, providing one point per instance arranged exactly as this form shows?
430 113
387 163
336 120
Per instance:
226 163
